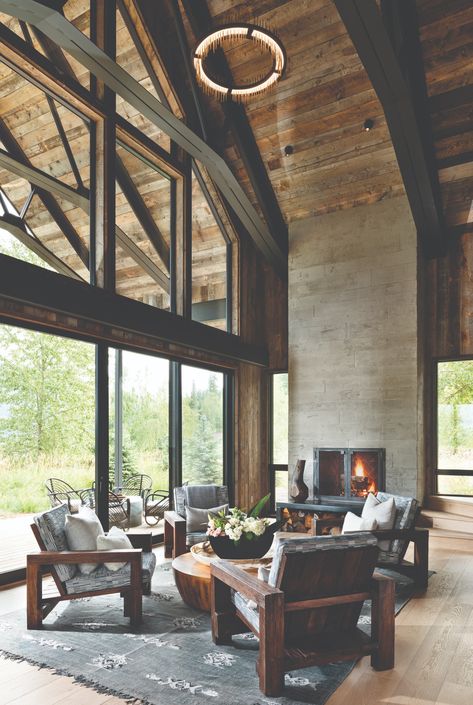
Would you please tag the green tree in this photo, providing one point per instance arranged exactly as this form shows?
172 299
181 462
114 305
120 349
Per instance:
47 389
455 387
200 454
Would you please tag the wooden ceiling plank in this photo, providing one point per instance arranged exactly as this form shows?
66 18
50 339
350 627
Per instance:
451 99
50 203
368 32
200 20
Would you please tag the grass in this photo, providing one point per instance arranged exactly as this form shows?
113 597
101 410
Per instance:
22 480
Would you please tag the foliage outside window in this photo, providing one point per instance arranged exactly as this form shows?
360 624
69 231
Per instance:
455 427
47 425
280 435
202 426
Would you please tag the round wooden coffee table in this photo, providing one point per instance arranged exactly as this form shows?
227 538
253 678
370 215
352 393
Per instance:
193 581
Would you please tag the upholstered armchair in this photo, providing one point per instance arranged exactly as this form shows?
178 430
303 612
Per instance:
306 611
184 528
131 580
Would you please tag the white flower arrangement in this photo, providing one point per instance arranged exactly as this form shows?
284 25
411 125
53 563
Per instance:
238 524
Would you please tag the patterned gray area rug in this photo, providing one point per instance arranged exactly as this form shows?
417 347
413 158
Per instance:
170 661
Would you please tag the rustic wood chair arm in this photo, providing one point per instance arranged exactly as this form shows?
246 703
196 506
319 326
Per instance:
403 534
245 583
174 518
63 557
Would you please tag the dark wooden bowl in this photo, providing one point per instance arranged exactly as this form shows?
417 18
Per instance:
226 548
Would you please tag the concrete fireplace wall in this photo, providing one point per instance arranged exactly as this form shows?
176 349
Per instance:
353 337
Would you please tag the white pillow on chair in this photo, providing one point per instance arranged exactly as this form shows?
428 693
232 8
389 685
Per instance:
115 539
82 530
383 512
352 522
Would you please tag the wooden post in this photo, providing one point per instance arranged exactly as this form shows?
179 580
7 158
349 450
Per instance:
136 600
382 623
34 612
271 645
421 557
222 611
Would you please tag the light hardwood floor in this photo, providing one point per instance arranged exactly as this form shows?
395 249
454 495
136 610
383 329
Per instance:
434 649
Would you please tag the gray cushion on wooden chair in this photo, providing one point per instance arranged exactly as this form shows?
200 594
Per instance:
200 496
103 579
406 510
51 525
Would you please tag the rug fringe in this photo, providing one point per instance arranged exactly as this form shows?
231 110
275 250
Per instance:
81 680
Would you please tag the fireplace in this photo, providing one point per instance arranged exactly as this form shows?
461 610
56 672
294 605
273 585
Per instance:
348 474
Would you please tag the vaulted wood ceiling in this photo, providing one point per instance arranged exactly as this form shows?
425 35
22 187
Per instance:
318 108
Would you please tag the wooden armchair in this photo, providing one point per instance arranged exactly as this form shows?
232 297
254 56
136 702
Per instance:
394 542
177 539
131 581
307 612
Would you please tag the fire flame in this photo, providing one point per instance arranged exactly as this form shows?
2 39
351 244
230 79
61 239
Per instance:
359 469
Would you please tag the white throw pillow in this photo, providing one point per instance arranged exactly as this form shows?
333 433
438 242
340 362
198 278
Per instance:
82 530
115 539
383 512
352 522
197 519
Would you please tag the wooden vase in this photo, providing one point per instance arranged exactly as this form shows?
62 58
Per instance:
299 490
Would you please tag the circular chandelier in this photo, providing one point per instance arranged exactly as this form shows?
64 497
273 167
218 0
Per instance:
233 33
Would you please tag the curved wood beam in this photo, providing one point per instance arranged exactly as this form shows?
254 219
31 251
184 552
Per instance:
56 27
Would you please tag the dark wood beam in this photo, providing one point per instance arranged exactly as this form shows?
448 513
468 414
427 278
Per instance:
54 53
72 40
455 160
27 284
141 211
406 124
48 200
103 154
201 22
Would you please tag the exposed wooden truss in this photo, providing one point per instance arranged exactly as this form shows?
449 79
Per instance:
55 26
405 114
17 159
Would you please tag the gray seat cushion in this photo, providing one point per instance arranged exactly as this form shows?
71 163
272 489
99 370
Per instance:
103 579
51 525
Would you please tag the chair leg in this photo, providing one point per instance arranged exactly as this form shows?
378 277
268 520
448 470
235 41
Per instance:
270 665
34 586
421 557
222 612
168 539
382 624
135 594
